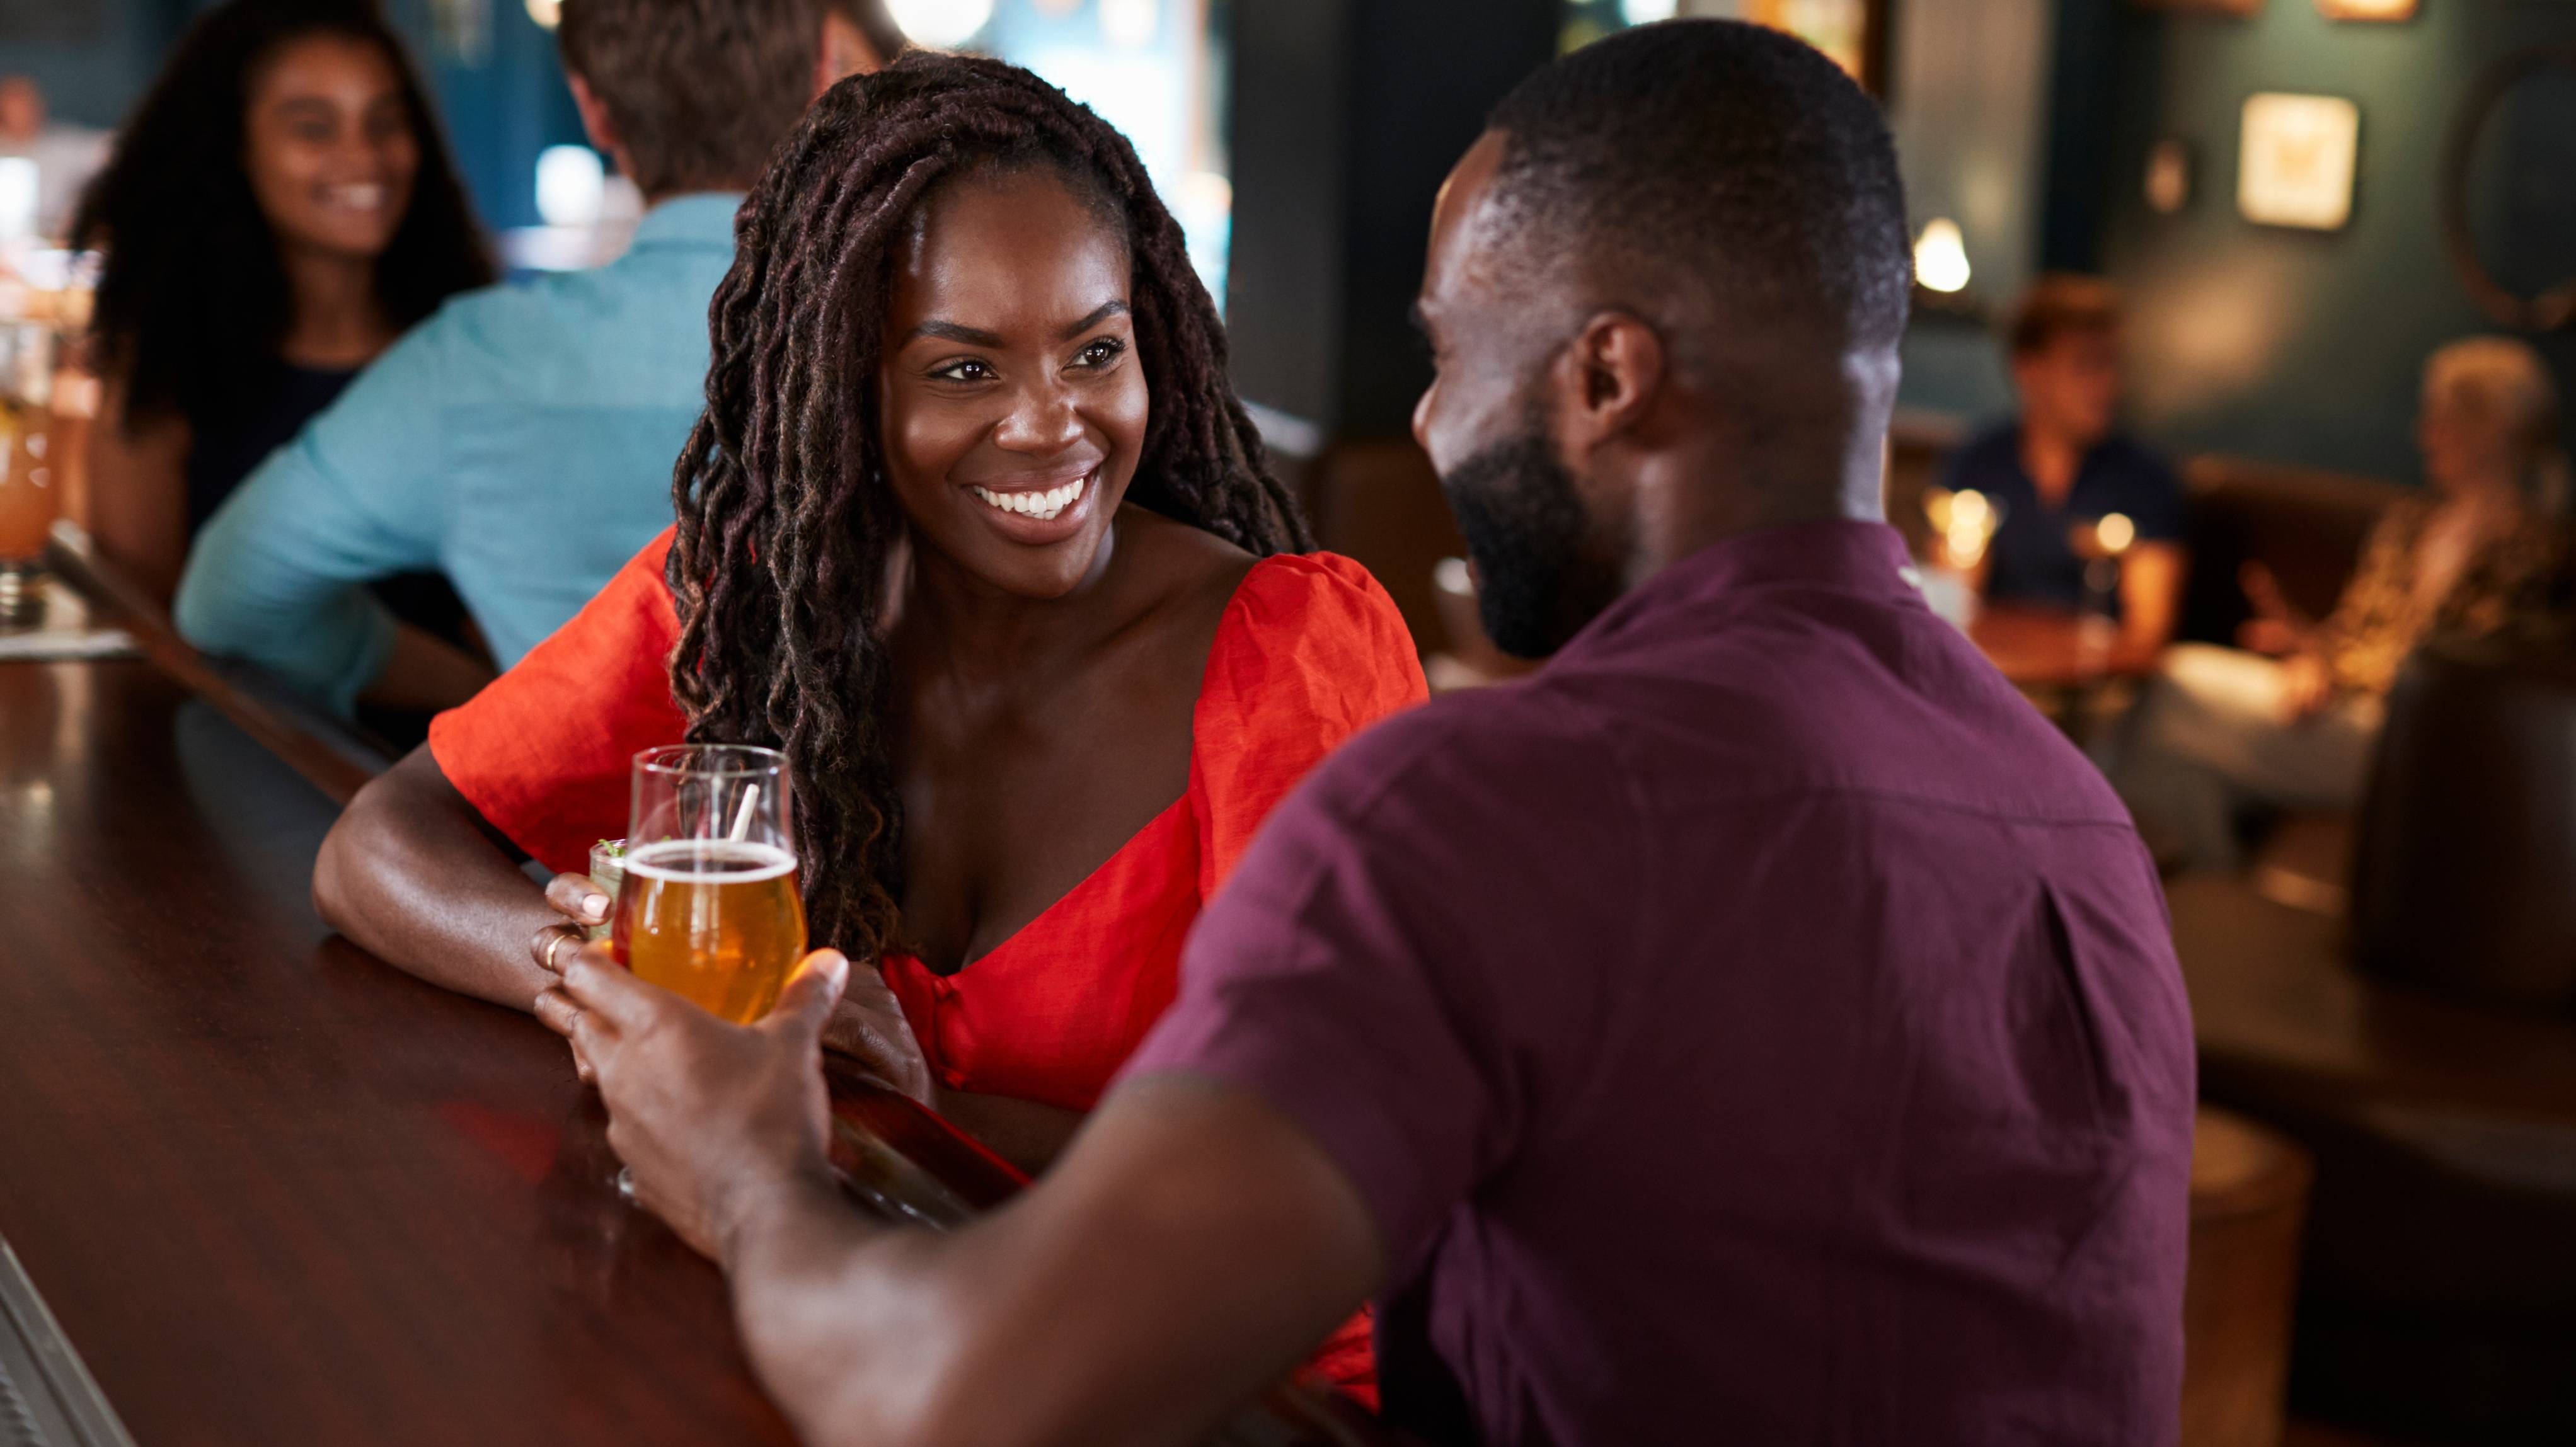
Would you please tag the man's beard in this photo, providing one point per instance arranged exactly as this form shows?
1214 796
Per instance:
1542 573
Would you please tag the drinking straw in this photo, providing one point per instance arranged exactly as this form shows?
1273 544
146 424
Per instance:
742 815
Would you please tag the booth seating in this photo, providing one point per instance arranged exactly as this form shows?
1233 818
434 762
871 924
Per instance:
2426 1054
1378 502
2305 524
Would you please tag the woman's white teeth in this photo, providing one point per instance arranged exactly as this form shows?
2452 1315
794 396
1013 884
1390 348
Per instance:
361 197
1039 505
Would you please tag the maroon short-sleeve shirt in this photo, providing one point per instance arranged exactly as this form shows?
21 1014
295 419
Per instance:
1759 1026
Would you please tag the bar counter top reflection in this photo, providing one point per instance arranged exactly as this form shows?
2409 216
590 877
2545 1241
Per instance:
274 1190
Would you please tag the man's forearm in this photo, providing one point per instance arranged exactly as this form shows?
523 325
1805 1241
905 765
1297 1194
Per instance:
1184 1253
816 1287
277 576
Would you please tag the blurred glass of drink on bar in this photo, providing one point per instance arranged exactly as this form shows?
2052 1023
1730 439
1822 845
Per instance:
29 497
709 907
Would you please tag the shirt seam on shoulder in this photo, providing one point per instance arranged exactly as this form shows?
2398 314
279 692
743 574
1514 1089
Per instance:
1774 790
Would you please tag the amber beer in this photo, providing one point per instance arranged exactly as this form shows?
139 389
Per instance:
714 920
709 908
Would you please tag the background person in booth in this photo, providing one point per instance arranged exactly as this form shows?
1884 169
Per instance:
2290 719
521 441
1757 1024
2062 464
280 208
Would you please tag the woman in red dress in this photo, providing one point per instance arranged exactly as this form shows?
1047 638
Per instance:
976 531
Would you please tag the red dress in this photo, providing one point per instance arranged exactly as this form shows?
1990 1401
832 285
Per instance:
1309 651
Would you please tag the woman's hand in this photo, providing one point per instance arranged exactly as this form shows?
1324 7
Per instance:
583 904
868 1025
713 1119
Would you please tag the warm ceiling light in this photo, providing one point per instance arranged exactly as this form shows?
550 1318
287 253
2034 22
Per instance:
1941 257
941 24
1647 12
547 13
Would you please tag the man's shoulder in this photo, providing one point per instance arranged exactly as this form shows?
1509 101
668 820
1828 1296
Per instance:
488 319
590 322
1472 742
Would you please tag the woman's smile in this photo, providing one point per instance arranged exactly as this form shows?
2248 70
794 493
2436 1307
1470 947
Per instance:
369 197
1043 497
1040 509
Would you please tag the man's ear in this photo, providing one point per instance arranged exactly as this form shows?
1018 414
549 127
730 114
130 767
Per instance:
598 126
845 52
1607 379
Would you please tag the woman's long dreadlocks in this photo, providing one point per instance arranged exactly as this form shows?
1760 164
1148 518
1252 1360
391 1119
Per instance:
786 521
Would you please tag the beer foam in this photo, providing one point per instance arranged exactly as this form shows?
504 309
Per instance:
710 861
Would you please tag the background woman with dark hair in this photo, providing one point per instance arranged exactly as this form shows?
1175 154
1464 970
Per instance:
279 209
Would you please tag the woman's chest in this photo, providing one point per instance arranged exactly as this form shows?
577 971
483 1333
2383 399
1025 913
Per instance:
1010 807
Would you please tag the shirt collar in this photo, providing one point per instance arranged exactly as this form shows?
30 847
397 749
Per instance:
1841 554
699 219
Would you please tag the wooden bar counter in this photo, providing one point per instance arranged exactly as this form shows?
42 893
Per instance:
273 1190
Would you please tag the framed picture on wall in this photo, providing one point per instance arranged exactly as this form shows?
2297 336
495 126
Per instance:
2296 160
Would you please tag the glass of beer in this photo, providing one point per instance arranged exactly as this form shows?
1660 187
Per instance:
709 907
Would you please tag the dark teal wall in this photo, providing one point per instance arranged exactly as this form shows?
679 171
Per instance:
502 111
94 60
2300 346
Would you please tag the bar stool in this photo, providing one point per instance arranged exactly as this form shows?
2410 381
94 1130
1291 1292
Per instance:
2249 1201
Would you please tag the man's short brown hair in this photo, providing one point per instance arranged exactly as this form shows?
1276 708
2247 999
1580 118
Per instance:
2059 303
701 91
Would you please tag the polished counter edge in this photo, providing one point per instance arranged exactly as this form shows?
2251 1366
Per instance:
47 1396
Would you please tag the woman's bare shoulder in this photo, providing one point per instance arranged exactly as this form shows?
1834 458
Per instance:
1179 568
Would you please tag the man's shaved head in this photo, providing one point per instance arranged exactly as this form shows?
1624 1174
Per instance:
1663 295
1709 162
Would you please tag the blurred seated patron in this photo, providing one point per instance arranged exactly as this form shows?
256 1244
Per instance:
1021 769
521 441
1757 1024
280 208
2062 466
66 156
2290 718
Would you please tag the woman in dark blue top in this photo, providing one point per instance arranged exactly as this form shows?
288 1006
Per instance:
279 209
2060 468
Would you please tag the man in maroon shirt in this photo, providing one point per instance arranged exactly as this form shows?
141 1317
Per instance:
1758 1026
